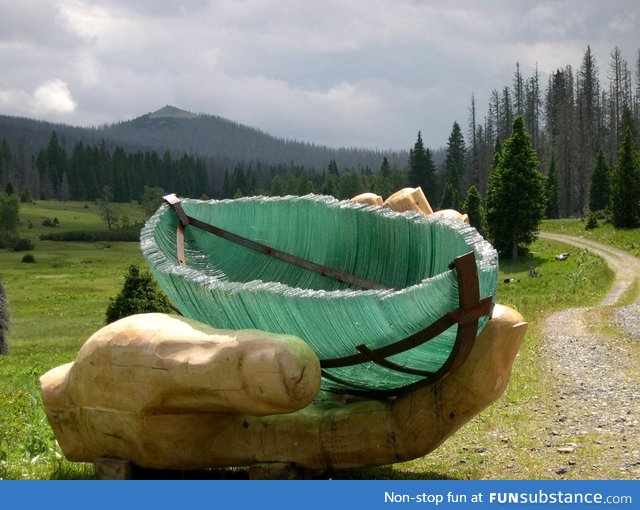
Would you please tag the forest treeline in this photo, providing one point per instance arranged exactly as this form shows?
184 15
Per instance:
91 171
220 143
571 117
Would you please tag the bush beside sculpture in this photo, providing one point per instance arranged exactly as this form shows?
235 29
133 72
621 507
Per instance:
140 294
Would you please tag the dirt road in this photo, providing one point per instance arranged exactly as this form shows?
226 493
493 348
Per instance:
597 378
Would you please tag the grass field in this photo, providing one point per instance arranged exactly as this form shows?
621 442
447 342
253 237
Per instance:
56 303
627 239
60 300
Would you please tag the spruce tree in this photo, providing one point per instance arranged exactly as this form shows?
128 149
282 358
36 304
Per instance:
454 161
151 199
600 190
516 196
277 187
350 185
25 196
625 184
497 154
290 185
9 217
330 185
55 163
382 180
551 188
333 168
422 171
140 294
227 192
472 206
450 197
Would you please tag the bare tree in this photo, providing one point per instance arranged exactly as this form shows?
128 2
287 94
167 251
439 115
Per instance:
106 207
4 320
587 110
518 92
473 160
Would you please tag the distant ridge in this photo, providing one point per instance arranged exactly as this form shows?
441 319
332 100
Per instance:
220 141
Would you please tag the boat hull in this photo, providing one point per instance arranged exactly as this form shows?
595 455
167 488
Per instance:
230 286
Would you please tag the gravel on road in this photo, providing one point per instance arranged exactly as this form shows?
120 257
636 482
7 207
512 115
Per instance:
596 376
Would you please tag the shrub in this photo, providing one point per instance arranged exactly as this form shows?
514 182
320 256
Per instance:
23 244
124 234
140 294
28 258
592 221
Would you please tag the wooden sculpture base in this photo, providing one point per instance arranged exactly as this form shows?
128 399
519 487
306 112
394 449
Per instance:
164 392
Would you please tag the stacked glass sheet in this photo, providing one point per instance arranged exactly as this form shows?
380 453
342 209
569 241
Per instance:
230 286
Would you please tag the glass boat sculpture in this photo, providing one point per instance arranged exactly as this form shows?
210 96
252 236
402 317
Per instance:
389 301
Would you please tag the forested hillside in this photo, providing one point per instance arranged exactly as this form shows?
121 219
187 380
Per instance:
211 136
60 161
91 171
571 115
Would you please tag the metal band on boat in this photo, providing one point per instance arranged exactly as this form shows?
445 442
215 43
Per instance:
262 248
471 309
467 316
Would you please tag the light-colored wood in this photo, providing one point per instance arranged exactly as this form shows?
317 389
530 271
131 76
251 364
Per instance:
368 198
452 214
409 199
169 393
160 365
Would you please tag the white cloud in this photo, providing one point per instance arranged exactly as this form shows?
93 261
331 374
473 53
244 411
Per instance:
53 96
14 101
89 22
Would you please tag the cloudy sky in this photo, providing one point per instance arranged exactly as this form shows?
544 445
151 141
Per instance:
363 73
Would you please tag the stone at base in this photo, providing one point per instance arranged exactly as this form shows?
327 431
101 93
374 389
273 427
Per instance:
107 468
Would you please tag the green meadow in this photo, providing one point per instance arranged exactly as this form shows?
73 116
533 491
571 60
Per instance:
627 239
58 301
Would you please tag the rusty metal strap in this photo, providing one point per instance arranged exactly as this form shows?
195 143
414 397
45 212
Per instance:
467 315
470 310
173 200
342 276
180 245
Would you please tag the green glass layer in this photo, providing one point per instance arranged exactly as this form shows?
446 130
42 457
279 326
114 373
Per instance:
229 286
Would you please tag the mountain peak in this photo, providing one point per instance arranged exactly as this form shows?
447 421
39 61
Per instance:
169 111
